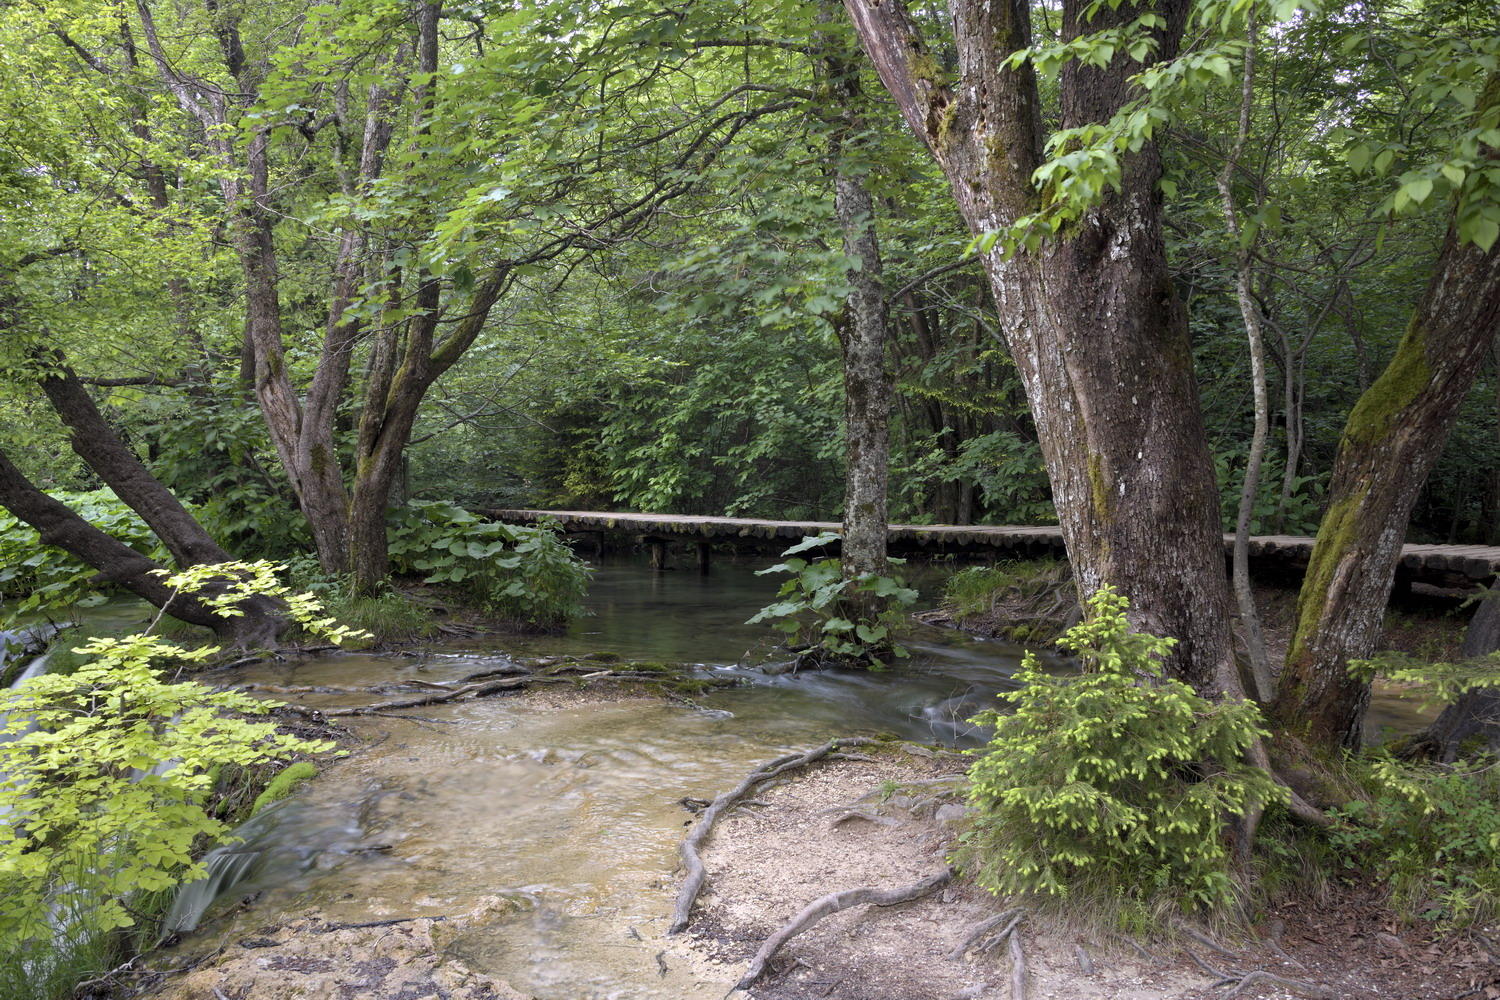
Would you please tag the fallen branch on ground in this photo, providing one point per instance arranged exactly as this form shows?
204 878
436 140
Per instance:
438 695
832 903
693 882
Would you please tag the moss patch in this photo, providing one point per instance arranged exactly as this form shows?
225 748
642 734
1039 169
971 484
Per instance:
284 784
1098 490
1398 387
1335 537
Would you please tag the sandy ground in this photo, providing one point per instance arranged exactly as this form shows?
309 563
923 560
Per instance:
765 863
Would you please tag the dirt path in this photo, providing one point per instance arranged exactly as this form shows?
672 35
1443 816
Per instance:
765 863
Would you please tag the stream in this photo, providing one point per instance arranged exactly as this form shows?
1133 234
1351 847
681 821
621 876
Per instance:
572 812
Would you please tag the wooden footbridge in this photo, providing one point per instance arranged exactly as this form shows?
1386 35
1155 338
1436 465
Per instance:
1440 565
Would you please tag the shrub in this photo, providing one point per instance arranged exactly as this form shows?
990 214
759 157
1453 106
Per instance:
1432 834
1114 782
525 573
815 606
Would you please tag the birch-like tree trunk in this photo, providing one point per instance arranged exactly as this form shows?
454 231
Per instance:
1255 643
862 329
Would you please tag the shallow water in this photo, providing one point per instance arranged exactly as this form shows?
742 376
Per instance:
573 812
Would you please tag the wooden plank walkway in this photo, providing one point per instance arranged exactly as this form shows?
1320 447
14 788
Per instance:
1440 564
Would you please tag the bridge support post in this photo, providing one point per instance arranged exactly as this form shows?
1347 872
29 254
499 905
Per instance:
657 547
704 552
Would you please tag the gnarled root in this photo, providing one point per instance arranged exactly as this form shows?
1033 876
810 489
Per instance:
979 930
1238 982
832 903
693 842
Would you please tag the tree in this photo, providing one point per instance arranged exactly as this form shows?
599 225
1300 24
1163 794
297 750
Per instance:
1394 433
1090 313
862 327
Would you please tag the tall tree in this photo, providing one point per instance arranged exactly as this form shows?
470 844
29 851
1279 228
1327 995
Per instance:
1390 443
862 326
1090 314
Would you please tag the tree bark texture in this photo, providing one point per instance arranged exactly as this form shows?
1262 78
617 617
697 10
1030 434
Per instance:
862 330
108 457
1097 333
1390 442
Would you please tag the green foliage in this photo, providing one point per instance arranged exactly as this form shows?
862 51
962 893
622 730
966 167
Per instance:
389 616
819 607
526 573
110 772
1024 589
47 577
1117 781
1430 833
1301 513
1442 683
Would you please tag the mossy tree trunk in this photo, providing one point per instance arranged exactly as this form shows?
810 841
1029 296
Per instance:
1393 437
1091 317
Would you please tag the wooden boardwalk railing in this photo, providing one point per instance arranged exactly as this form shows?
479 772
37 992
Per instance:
1439 564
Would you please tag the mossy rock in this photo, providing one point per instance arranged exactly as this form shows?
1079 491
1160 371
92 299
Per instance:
284 784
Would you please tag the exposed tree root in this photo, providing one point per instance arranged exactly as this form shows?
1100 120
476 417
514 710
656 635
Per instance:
832 903
982 928
504 679
1017 967
1238 982
1205 940
693 842
846 814
1273 938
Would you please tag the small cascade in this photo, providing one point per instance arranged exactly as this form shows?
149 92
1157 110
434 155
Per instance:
228 867
277 845
31 641
35 668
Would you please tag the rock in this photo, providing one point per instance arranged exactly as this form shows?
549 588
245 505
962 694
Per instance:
951 812
311 959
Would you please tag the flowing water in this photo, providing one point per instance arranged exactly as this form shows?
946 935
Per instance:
571 812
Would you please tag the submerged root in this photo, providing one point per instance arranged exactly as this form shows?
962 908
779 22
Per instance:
833 903
483 684
693 842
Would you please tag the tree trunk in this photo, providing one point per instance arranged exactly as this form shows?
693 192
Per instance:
861 332
1390 442
111 460
118 562
1255 643
1093 322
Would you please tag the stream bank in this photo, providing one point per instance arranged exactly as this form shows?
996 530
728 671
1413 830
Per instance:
544 826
